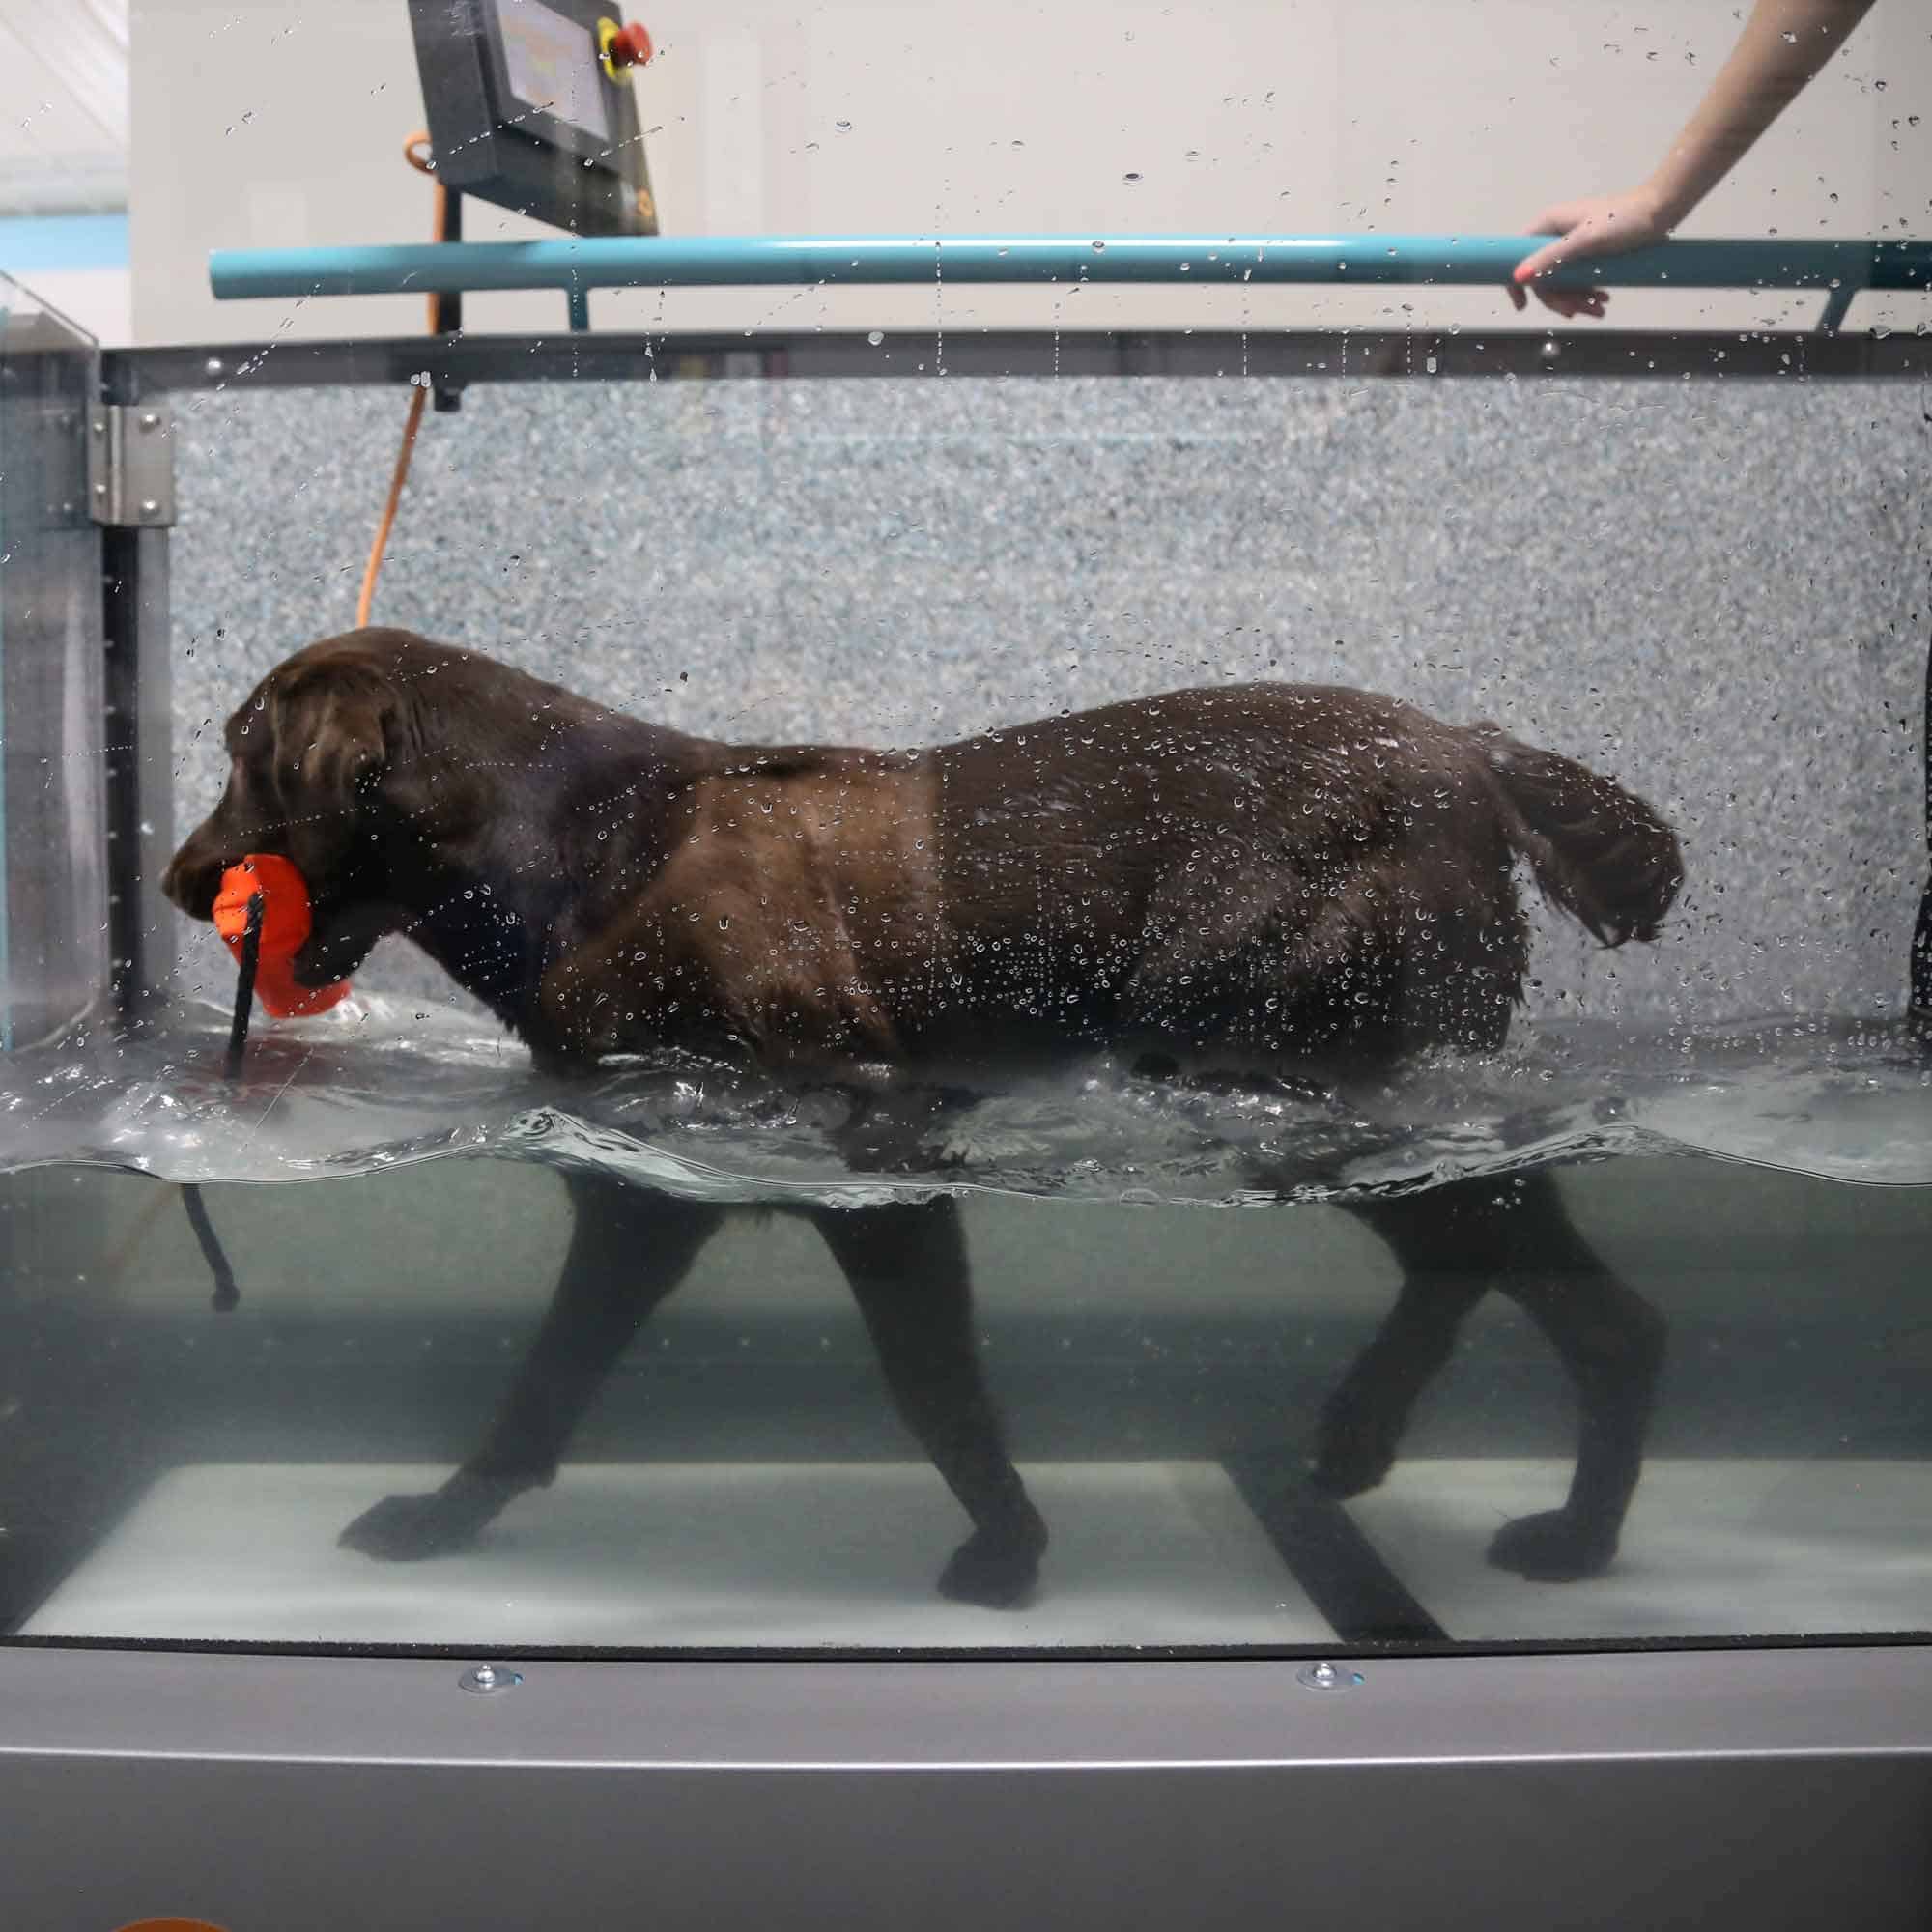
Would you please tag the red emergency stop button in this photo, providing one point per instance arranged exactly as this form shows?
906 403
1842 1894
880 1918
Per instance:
630 46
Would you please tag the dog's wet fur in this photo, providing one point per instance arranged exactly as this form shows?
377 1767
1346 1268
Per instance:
1302 880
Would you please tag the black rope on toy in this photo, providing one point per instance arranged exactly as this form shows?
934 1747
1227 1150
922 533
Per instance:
1921 938
244 986
226 1292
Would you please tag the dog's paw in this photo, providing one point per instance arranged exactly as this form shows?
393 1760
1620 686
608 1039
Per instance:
1553 1548
998 1570
1352 1455
407 1529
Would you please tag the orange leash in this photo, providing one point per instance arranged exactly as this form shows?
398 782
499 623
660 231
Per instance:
415 152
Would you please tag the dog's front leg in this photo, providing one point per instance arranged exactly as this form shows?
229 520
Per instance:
907 1262
629 1249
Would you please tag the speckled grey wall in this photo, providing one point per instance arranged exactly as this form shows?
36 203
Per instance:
1718 591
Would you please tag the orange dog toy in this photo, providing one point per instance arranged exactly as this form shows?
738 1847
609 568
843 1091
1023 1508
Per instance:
285 929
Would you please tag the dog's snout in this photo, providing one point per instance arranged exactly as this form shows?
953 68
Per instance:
193 878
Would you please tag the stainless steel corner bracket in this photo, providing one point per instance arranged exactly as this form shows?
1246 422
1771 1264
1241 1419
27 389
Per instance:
131 466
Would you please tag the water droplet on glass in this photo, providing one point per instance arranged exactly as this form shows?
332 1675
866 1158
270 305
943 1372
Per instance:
1131 178
843 127
875 336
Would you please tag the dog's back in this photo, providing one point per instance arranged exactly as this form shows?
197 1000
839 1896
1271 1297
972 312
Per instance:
1279 868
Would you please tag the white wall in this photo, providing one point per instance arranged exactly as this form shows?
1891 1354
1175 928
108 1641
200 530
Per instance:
256 124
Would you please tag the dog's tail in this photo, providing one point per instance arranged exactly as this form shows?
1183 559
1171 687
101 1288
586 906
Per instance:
1604 855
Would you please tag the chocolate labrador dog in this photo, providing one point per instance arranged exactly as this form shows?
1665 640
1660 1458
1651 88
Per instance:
1289 877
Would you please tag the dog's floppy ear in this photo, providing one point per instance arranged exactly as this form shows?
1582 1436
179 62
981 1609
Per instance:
331 751
348 747
332 736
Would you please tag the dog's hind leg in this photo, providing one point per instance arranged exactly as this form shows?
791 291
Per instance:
1455 1243
629 1249
1364 1420
907 1265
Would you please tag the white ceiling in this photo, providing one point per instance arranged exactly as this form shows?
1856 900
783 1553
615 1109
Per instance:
63 105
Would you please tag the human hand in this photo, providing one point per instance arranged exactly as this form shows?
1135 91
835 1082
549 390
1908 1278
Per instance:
1605 224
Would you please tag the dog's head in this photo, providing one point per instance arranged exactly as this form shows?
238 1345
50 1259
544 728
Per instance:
310 754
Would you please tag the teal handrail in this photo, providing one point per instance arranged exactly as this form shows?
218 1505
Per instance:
580 265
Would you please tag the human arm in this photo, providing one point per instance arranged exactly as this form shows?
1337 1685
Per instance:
1783 45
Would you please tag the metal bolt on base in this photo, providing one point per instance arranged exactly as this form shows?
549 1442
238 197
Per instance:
485 1678
1325 1676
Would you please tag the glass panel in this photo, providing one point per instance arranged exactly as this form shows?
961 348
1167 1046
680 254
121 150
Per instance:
53 948
1119 1116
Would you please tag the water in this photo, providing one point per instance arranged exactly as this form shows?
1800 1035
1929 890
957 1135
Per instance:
377 1082
743 1479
